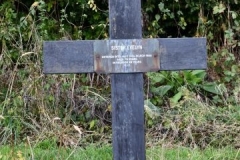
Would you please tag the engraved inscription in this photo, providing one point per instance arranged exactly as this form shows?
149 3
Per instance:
124 56
128 47
127 59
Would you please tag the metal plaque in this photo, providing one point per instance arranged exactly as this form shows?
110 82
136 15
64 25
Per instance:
126 56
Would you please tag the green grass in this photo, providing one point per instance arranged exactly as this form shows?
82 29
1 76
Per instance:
93 152
24 153
182 153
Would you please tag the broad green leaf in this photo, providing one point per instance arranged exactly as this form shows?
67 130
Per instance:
179 12
157 17
161 91
164 89
195 80
92 124
211 87
234 15
176 97
199 72
221 7
152 110
161 6
156 77
215 9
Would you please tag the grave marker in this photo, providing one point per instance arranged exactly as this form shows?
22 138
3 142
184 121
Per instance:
125 56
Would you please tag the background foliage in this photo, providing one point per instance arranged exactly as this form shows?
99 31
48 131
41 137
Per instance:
193 108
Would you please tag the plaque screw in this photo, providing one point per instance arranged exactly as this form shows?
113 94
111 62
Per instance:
97 56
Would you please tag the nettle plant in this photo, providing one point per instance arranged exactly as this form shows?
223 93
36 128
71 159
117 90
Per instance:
168 88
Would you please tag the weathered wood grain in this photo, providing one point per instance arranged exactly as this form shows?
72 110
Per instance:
77 56
68 57
183 53
127 89
128 116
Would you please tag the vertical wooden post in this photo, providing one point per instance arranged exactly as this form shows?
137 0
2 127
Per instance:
127 89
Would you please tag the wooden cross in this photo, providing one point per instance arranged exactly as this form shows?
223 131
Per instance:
125 56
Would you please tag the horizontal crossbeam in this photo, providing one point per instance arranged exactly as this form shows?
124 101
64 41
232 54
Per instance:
63 57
